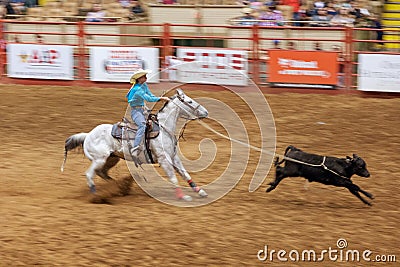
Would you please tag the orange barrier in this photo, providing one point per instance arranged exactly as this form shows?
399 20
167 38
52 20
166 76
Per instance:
303 67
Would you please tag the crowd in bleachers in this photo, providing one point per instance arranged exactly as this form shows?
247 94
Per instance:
315 13
268 13
72 10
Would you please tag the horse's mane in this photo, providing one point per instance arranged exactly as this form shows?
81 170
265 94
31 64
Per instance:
166 103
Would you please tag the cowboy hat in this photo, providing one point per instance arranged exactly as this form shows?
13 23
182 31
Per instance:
137 74
247 10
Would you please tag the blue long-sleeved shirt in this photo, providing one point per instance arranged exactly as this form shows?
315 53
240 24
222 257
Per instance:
138 93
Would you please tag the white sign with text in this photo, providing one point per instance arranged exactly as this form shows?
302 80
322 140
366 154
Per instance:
377 72
117 64
214 66
35 61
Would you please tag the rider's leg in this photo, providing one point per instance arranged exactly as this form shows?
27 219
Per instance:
137 115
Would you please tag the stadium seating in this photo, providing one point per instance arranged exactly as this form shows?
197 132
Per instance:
34 14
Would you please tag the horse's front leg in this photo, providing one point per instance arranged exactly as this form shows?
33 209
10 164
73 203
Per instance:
166 164
186 176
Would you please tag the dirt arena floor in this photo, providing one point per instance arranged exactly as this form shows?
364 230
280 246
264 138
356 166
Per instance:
49 218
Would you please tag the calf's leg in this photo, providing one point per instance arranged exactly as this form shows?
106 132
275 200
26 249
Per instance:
355 189
279 176
369 195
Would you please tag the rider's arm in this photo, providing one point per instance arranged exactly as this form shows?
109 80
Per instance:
147 95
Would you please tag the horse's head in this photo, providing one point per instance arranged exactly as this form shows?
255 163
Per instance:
190 109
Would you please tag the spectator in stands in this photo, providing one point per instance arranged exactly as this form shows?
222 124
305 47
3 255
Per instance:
374 22
256 5
31 3
342 19
359 14
336 4
291 45
14 7
304 15
136 8
319 4
97 14
18 6
17 38
278 15
321 18
272 2
317 46
124 3
248 18
347 4
276 44
296 5
331 9
39 38
3 10
270 16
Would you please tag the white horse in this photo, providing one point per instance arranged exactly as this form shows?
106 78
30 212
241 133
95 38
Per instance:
104 151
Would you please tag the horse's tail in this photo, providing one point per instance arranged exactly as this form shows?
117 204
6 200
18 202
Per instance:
71 143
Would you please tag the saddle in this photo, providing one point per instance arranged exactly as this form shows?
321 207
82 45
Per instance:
126 130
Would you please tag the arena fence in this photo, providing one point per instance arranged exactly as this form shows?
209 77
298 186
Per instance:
341 47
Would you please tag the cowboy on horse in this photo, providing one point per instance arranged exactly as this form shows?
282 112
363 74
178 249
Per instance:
139 92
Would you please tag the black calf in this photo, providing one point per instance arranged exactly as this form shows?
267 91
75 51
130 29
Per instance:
325 170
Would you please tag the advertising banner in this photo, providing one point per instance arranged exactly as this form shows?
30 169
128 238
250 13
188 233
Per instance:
40 61
303 67
214 66
116 64
380 73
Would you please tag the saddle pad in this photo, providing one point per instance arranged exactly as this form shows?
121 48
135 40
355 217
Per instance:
119 131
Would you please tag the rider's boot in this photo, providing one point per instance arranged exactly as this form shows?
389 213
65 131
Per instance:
135 151
135 155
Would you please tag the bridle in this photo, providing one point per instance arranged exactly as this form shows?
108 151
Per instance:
183 106
190 118
186 104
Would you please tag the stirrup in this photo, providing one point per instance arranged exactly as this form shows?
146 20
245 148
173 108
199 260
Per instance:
135 156
135 151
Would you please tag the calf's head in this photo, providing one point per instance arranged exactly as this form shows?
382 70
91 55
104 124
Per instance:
359 166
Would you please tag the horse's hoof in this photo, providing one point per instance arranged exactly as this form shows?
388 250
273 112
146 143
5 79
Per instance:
186 198
269 189
93 189
202 193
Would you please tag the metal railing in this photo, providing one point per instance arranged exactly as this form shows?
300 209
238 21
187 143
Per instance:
257 40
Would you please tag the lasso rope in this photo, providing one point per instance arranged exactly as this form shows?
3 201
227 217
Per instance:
205 125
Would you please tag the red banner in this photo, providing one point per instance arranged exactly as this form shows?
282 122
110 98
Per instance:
303 67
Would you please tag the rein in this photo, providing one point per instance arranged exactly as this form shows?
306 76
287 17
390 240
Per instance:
175 139
188 119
